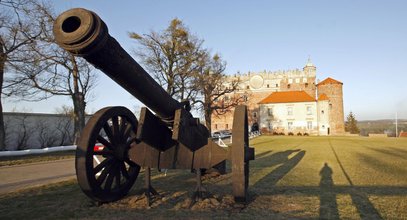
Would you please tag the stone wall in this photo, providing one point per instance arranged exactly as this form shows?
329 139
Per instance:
33 130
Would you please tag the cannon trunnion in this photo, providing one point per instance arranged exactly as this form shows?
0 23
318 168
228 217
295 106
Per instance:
114 144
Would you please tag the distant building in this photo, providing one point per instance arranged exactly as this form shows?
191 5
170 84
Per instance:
289 101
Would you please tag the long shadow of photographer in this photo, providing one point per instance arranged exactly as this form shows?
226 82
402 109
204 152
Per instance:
328 206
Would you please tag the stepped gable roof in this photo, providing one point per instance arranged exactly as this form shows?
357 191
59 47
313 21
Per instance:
323 97
288 96
329 80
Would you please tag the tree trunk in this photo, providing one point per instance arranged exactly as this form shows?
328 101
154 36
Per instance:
208 116
3 58
79 105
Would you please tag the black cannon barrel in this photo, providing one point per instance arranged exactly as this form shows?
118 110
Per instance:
82 33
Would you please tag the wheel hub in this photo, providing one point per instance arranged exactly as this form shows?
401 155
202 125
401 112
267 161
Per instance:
120 152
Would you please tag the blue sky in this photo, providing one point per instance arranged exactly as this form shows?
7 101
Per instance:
361 43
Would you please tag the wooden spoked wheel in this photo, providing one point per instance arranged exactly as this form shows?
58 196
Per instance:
103 168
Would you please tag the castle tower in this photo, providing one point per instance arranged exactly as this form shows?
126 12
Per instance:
309 68
333 90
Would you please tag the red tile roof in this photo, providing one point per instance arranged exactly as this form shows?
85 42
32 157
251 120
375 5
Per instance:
329 80
403 134
290 96
323 97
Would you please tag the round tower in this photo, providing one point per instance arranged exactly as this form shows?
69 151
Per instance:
309 68
333 90
310 71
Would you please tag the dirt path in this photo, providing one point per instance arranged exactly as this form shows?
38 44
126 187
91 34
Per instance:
18 177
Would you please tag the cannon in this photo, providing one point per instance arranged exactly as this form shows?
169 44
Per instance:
114 145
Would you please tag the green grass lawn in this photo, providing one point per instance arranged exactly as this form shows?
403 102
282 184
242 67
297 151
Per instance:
291 178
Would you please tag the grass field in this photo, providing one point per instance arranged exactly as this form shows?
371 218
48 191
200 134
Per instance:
291 178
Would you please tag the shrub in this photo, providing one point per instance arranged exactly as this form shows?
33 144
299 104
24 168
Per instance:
299 134
290 134
306 134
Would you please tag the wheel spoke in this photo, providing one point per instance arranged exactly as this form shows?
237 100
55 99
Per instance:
123 124
127 130
118 176
103 164
129 162
115 126
105 143
110 177
104 173
124 170
103 153
131 140
109 133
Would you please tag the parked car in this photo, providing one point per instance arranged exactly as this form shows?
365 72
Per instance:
221 134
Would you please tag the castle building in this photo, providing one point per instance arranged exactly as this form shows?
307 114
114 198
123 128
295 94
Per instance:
289 101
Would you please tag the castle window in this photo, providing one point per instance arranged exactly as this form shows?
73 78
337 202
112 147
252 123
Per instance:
268 86
276 85
322 112
309 110
245 98
270 111
254 115
288 86
309 125
290 110
216 126
227 126
330 106
247 87
290 125
290 81
297 80
306 85
304 79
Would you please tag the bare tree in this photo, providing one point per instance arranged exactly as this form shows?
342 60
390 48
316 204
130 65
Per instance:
19 27
24 132
47 136
172 56
64 125
49 70
216 94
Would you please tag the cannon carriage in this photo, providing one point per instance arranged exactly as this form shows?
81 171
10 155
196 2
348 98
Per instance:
166 135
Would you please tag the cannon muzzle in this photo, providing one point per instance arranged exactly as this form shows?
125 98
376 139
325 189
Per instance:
83 33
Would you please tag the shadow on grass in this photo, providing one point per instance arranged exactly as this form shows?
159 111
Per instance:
260 155
328 208
391 152
360 199
279 158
